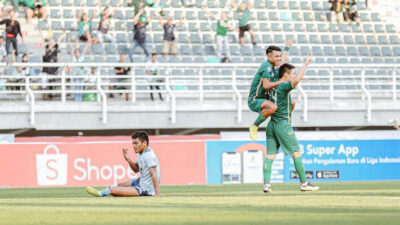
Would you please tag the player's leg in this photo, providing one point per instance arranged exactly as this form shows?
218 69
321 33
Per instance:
255 106
252 36
272 149
265 108
241 35
124 192
290 146
268 108
107 191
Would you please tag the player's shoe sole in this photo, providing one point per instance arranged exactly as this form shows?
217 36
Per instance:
92 191
309 187
253 132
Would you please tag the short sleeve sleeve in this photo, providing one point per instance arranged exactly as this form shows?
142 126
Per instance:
151 160
267 72
286 87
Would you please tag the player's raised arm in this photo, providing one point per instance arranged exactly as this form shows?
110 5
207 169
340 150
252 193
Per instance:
296 80
153 174
288 45
267 84
134 166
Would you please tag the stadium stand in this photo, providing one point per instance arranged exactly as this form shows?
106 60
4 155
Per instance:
350 61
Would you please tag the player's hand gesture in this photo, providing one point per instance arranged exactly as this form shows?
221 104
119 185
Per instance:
288 43
308 60
126 154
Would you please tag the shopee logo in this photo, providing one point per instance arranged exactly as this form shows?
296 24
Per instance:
89 172
51 169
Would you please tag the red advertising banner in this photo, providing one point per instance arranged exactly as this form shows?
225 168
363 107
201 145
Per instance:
81 164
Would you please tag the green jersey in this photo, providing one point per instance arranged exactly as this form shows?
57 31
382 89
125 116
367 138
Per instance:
284 103
243 16
267 71
221 30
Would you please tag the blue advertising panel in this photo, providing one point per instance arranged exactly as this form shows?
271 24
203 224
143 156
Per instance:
328 160
348 160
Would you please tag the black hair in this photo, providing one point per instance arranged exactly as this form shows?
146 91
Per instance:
284 69
142 135
1 37
272 48
153 54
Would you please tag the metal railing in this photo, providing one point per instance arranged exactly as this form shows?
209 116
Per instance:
199 81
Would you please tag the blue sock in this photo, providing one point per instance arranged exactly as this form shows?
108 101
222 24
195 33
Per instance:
105 192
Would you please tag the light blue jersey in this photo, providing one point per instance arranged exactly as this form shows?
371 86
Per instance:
146 160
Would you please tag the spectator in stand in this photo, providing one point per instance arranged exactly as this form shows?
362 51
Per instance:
153 71
346 11
339 11
85 27
20 72
51 56
5 7
105 23
244 15
333 10
139 39
222 31
169 36
36 8
225 60
3 51
77 57
354 12
12 30
121 71
141 4
91 80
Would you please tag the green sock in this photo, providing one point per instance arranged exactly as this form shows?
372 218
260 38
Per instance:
260 119
267 170
298 164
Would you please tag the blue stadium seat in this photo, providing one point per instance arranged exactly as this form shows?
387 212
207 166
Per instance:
375 51
340 51
302 39
198 50
326 39
337 39
317 51
195 38
396 51
383 40
390 28
363 51
299 28
329 51
348 39
371 40
352 51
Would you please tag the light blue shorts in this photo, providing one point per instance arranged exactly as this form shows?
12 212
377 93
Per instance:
135 182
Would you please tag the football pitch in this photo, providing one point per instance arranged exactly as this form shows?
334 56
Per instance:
336 203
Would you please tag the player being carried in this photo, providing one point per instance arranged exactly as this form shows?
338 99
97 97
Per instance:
146 163
279 130
263 86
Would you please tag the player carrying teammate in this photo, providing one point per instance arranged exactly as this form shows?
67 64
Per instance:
279 129
146 163
263 86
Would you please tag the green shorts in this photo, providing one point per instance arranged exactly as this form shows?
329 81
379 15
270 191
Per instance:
255 104
281 134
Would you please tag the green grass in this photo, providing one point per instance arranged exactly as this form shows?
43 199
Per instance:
336 203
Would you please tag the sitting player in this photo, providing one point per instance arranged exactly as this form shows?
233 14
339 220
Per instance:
146 163
280 131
